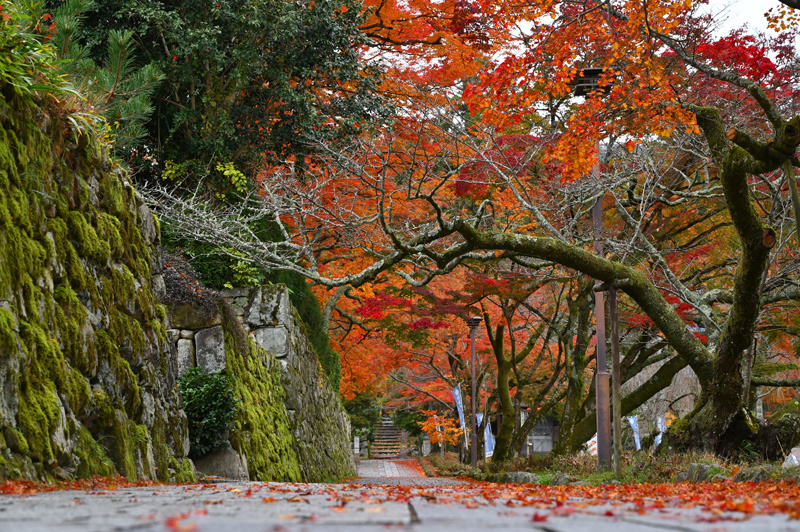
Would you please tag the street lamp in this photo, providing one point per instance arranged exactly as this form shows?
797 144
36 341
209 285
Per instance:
473 322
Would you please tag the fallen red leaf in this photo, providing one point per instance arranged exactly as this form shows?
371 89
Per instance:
174 523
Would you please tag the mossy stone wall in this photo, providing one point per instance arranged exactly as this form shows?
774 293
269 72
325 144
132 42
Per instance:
292 426
262 432
317 418
87 378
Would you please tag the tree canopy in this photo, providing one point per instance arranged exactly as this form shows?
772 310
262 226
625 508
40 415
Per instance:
693 136
244 82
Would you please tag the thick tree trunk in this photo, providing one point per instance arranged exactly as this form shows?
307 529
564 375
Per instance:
505 431
576 364
745 434
721 422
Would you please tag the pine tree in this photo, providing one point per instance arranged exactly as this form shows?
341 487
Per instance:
118 89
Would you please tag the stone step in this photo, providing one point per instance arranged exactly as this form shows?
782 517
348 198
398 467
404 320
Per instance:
387 440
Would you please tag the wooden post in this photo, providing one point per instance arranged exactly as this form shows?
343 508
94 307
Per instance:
613 316
602 376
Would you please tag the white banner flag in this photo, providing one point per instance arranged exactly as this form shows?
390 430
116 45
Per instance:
460 408
488 437
634 421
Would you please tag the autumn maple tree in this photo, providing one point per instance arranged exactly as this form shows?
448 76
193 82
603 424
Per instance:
695 127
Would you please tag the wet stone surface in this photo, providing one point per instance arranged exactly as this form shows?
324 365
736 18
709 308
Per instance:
389 495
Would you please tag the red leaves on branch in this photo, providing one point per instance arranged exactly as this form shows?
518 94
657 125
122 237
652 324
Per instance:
375 307
742 52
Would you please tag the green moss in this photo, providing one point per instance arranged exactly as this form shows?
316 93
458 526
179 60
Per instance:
161 451
70 318
22 256
32 297
108 229
121 445
102 409
14 440
123 375
15 466
46 362
92 456
37 418
181 472
18 208
112 195
8 338
83 194
67 253
87 242
262 432
77 391
8 166
56 336
187 471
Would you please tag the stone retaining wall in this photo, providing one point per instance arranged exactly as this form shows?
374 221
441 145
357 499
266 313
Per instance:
320 428
87 379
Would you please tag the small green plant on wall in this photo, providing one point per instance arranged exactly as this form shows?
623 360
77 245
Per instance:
211 408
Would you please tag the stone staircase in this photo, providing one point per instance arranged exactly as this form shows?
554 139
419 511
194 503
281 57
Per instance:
387 440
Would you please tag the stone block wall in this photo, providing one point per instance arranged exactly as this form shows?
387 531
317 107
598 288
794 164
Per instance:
320 424
87 377
318 428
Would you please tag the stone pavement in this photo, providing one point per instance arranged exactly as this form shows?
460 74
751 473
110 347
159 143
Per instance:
411 503
395 473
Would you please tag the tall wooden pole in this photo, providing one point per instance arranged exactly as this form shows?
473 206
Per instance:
613 317
474 416
602 376
473 323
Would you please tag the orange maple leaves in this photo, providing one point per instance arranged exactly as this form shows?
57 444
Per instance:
440 428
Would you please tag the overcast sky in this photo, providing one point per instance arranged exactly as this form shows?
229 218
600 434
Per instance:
741 12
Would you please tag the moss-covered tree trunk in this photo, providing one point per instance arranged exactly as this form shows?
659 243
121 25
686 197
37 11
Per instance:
505 430
576 364
721 421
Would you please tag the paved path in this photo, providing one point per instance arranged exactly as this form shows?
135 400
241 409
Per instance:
396 473
423 505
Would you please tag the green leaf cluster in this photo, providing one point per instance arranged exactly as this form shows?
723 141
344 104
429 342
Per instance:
116 85
28 61
211 408
364 412
243 80
409 420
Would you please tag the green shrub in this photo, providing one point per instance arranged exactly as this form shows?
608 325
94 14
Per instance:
211 408
409 420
